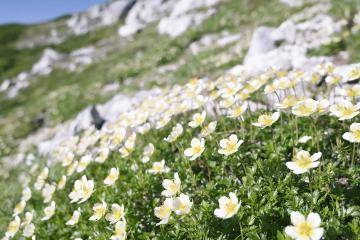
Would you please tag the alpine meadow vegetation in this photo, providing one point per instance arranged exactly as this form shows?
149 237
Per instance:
183 165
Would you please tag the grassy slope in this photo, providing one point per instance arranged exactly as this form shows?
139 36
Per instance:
61 96
117 67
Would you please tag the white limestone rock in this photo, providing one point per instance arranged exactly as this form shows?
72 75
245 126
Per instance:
98 16
45 64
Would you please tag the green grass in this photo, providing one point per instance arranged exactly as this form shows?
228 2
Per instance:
257 173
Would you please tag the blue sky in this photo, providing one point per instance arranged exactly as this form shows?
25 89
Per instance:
34 11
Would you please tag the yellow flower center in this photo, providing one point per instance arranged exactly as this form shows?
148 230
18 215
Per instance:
305 229
231 146
173 187
163 212
197 149
230 207
265 120
303 162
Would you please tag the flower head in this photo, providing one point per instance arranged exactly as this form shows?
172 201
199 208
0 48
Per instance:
176 131
82 191
305 228
172 187
305 108
181 205
74 218
354 134
99 211
228 206
229 145
354 74
116 214
129 146
287 102
19 208
163 212
26 194
49 211
120 231
196 149
304 139
48 192
159 167
13 227
112 177
302 162
197 119
237 111
207 130
148 152
29 230
266 120
62 182
345 110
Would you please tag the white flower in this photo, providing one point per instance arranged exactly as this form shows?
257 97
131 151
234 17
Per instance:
159 167
26 194
322 105
117 137
305 108
68 159
163 121
112 177
354 74
103 154
19 208
62 182
237 111
74 218
302 228
164 211
176 131
354 134
266 120
13 227
304 139
82 190
172 187
302 162
129 145
48 192
196 149
49 211
120 231
197 119
229 145
28 218
182 205
345 110
287 102
99 211
116 214
29 230
148 152
83 163
40 181
228 207
207 130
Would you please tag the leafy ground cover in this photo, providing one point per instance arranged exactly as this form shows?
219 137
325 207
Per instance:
270 167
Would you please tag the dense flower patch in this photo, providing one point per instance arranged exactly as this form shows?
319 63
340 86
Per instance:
271 156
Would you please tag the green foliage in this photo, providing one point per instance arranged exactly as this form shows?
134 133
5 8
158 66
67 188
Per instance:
257 173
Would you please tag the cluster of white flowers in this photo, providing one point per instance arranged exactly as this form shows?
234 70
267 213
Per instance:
230 97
